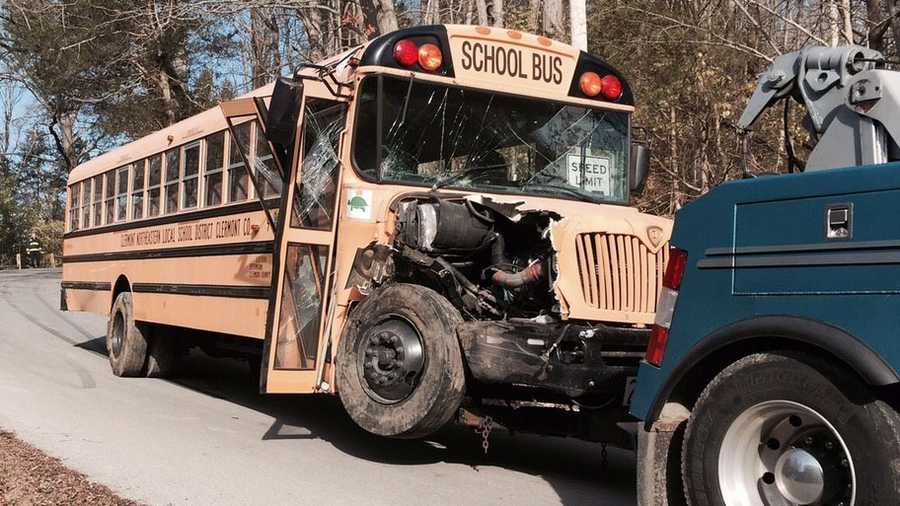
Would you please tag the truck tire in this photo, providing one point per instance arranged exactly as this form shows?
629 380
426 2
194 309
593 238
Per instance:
399 367
774 428
125 341
163 353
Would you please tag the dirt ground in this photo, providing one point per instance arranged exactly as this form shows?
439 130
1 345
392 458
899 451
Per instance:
29 477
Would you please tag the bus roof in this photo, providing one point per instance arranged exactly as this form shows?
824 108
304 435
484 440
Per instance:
477 56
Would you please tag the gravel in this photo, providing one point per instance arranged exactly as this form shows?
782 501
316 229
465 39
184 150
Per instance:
30 477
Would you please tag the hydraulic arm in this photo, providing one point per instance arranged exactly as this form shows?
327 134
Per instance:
852 103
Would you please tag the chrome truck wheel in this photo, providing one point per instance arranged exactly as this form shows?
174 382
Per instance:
785 453
785 429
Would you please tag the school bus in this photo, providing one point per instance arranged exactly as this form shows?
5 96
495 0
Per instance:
434 225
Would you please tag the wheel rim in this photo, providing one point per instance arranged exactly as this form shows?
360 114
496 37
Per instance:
391 360
118 333
785 453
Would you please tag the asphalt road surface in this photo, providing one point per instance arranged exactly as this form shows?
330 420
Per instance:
210 438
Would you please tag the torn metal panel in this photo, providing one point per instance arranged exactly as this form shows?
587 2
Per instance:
569 359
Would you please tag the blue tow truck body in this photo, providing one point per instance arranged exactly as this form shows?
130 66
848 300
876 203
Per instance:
762 274
771 376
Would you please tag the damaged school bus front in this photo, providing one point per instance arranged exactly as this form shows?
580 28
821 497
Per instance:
485 255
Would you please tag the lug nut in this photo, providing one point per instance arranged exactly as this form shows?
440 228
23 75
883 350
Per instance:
829 445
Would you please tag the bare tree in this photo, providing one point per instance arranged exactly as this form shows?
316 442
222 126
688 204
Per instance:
554 19
578 17
265 32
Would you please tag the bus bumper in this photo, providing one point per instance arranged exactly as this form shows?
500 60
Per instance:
568 359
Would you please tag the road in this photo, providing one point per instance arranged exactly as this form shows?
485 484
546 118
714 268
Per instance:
210 438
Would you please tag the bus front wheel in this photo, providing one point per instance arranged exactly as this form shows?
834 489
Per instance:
399 368
125 340
778 428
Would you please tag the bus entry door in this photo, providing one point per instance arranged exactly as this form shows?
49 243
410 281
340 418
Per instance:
294 355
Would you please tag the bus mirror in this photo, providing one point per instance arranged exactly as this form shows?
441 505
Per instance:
281 120
640 165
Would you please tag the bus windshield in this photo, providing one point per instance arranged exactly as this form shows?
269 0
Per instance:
440 136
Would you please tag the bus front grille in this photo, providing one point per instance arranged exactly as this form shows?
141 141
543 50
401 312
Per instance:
619 273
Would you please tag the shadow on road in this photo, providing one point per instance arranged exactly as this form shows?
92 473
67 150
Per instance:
574 468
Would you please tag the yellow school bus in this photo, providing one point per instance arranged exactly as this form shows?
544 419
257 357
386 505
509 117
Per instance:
435 226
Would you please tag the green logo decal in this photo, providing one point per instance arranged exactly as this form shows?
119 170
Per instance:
357 203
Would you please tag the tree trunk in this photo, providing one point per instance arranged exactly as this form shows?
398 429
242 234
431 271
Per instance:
481 7
874 14
534 16
834 24
165 91
264 36
578 17
498 13
312 24
432 15
848 22
380 16
895 22
554 19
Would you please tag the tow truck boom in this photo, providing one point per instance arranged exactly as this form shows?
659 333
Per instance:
852 103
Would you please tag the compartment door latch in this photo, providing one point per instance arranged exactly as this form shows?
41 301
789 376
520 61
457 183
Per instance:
839 221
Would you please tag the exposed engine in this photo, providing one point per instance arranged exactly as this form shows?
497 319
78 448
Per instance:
497 265
489 262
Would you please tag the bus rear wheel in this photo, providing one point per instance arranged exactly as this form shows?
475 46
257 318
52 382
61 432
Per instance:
773 428
125 340
399 368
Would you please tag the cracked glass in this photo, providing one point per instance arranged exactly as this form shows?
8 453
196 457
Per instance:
441 136
314 196
301 306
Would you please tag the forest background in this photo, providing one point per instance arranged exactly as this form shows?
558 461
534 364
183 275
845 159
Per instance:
79 77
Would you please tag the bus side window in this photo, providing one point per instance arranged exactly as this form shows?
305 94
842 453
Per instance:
137 190
191 176
238 179
173 171
215 166
267 176
74 190
314 197
122 193
153 185
86 203
98 200
109 201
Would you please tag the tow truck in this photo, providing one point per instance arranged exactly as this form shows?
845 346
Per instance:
771 377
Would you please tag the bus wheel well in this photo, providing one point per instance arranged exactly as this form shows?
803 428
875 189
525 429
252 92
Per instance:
692 384
121 285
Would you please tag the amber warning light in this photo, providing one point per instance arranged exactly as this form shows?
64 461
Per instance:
407 53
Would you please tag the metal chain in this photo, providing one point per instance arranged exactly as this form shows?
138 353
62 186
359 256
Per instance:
604 456
484 429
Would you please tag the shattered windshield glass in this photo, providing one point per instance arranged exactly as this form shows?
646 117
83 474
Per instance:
441 136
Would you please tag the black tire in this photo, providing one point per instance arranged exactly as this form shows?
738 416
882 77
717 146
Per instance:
868 428
163 353
437 391
125 340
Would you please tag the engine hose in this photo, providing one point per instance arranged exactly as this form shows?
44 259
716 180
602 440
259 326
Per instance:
514 280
